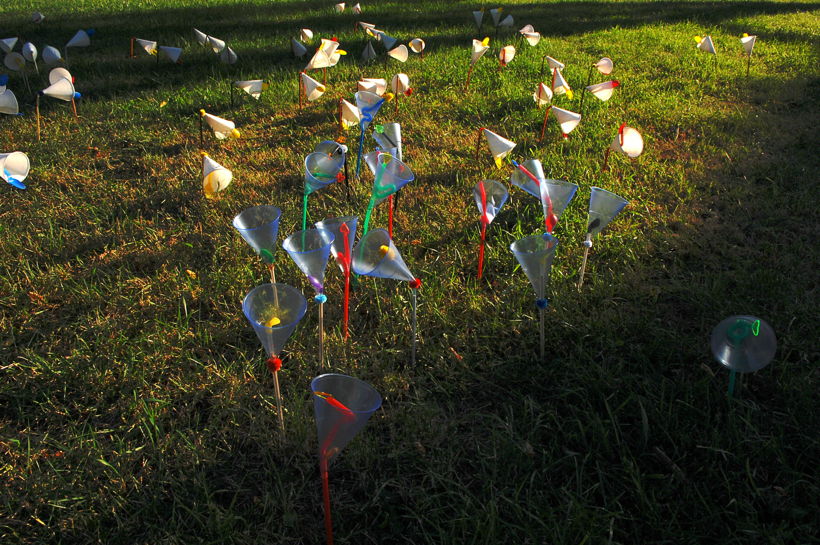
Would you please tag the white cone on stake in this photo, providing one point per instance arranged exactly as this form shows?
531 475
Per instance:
605 66
228 56
479 48
357 9
542 94
554 63
81 39
253 87
479 17
387 41
350 115
148 46
7 44
8 103
628 141
173 53
305 34
339 8
313 89
400 84
499 146
37 17
223 128
297 47
51 55
496 15
530 35
62 90
706 44
603 91
506 55
14 168
29 52
417 45
56 74
216 44
373 85
400 53
14 61
369 52
748 43
215 177
560 87
200 37
507 22
566 119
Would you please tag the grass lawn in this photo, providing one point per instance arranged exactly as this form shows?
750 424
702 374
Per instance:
135 405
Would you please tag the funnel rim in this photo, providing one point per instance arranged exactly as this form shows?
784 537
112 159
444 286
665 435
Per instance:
407 180
355 380
324 233
277 210
279 286
541 236
339 221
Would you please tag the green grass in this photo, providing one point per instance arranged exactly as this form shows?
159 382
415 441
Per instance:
134 402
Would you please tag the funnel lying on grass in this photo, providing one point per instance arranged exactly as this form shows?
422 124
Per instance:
603 207
274 311
342 406
743 344
535 254
490 197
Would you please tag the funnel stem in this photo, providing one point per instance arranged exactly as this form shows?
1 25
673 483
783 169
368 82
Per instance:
546 118
37 115
321 336
304 215
583 265
326 498
732 378
541 331
367 215
481 249
278 394
413 353
347 301
359 152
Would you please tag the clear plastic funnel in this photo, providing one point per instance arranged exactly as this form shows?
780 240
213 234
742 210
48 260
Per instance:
603 207
321 170
561 193
310 249
274 311
743 343
334 226
259 226
376 255
368 104
490 196
389 173
522 181
342 406
535 254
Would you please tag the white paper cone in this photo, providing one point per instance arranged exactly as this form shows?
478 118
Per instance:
506 55
62 89
499 146
400 53
51 55
357 9
507 22
339 8
417 45
542 94
59 73
37 17
215 177
373 85
200 37
173 53
14 61
29 52
554 63
7 44
366 26
628 141
313 89
387 41
222 128
147 45
566 119
350 115
8 103
479 18
253 87
14 167
605 66
400 84
228 56
603 91
748 43
369 52
532 38
297 47
496 15
707 45
80 39
561 86
478 51
305 34
216 44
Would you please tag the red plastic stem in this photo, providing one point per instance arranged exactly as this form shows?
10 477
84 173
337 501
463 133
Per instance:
546 117
345 230
326 499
